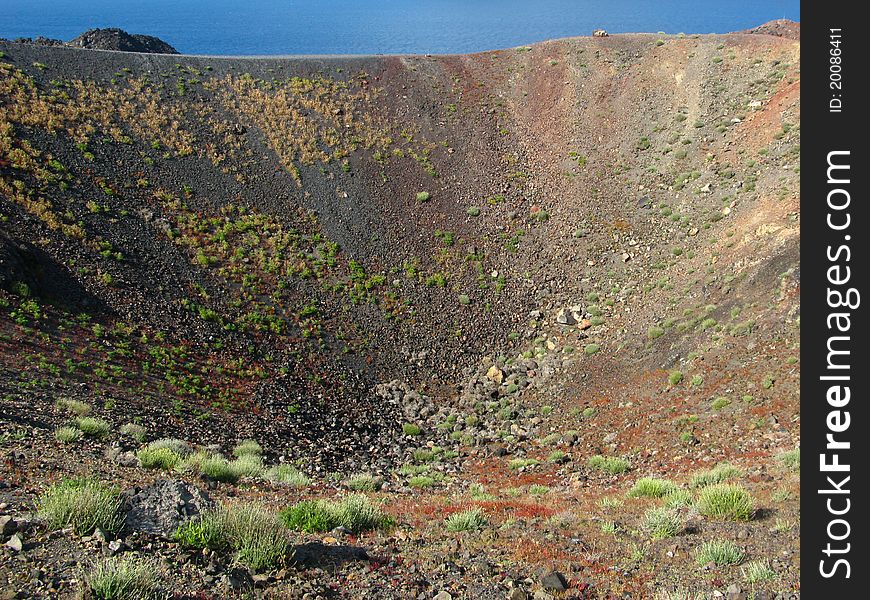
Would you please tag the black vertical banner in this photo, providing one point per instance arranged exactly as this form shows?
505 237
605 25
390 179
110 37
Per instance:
835 424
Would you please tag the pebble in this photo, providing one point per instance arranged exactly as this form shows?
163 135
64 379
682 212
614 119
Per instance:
8 526
15 543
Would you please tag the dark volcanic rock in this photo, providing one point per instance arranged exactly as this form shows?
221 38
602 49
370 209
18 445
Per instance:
779 28
117 39
164 505
39 41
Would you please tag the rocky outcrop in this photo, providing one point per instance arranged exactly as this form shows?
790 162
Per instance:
779 28
107 39
118 39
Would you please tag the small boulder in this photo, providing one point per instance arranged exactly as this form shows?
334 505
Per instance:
8 526
495 375
163 506
15 543
554 581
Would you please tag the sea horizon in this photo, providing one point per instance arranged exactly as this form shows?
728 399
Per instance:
326 27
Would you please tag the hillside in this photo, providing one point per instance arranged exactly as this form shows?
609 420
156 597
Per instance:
483 280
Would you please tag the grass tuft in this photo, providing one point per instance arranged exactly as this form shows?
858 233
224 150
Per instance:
411 429
179 447
247 465
124 578
662 522
67 434
725 501
135 431
76 407
363 482
467 520
355 512
719 552
158 458
248 448
83 504
757 571
718 474
610 464
649 487
93 426
679 499
791 460
257 535
288 475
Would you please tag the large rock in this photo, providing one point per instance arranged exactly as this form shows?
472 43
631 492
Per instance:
570 315
164 505
554 581
118 39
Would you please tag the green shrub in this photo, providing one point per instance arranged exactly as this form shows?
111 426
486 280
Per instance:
725 501
610 464
655 332
467 520
757 571
247 465
289 475
591 349
124 577
718 474
423 196
256 535
423 455
720 403
719 552
248 448
608 502
649 487
411 429
421 481
557 457
81 503
363 482
179 447
675 378
411 470
219 469
77 407
158 458
662 522
473 211
355 512
205 531
678 499
93 427
791 460
519 463
135 431
67 434
609 527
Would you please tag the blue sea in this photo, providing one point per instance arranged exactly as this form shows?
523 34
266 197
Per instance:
258 27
